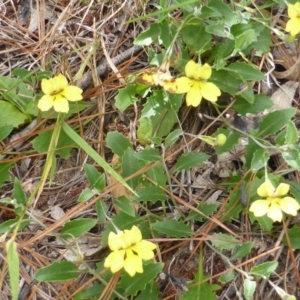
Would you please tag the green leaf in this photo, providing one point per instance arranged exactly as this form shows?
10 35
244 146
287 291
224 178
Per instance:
190 160
249 288
87 194
225 81
148 154
294 237
150 193
244 71
117 142
259 160
10 115
274 121
228 276
95 178
92 293
131 286
125 97
77 227
5 131
172 228
245 39
291 133
207 209
151 292
130 165
265 269
292 156
223 241
58 271
65 144
172 138
157 174
101 209
242 250
19 193
13 267
148 36
145 130
125 205
233 208
260 103
9 226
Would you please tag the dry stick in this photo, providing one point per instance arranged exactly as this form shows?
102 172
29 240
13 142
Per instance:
83 83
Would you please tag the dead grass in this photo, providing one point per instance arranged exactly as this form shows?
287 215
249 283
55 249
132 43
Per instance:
87 42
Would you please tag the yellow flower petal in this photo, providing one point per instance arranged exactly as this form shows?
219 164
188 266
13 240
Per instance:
203 72
210 91
45 103
266 189
133 263
115 261
144 249
191 69
72 93
115 241
289 205
282 189
170 86
148 79
294 10
293 26
133 235
259 207
194 95
61 104
183 85
274 211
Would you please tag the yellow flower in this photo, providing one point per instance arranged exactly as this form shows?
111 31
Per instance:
273 205
58 93
195 84
293 25
128 251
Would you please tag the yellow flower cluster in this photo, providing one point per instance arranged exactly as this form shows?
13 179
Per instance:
194 84
128 250
293 25
274 205
58 93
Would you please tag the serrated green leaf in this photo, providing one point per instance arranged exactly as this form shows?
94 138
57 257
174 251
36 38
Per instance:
249 288
19 193
294 237
58 271
206 208
190 160
157 174
244 71
92 293
226 81
145 130
233 208
172 137
151 292
77 227
126 97
117 142
87 194
95 178
172 228
259 160
260 103
223 241
265 269
125 205
245 39
274 121
13 268
150 193
242 250
291 133
132 287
